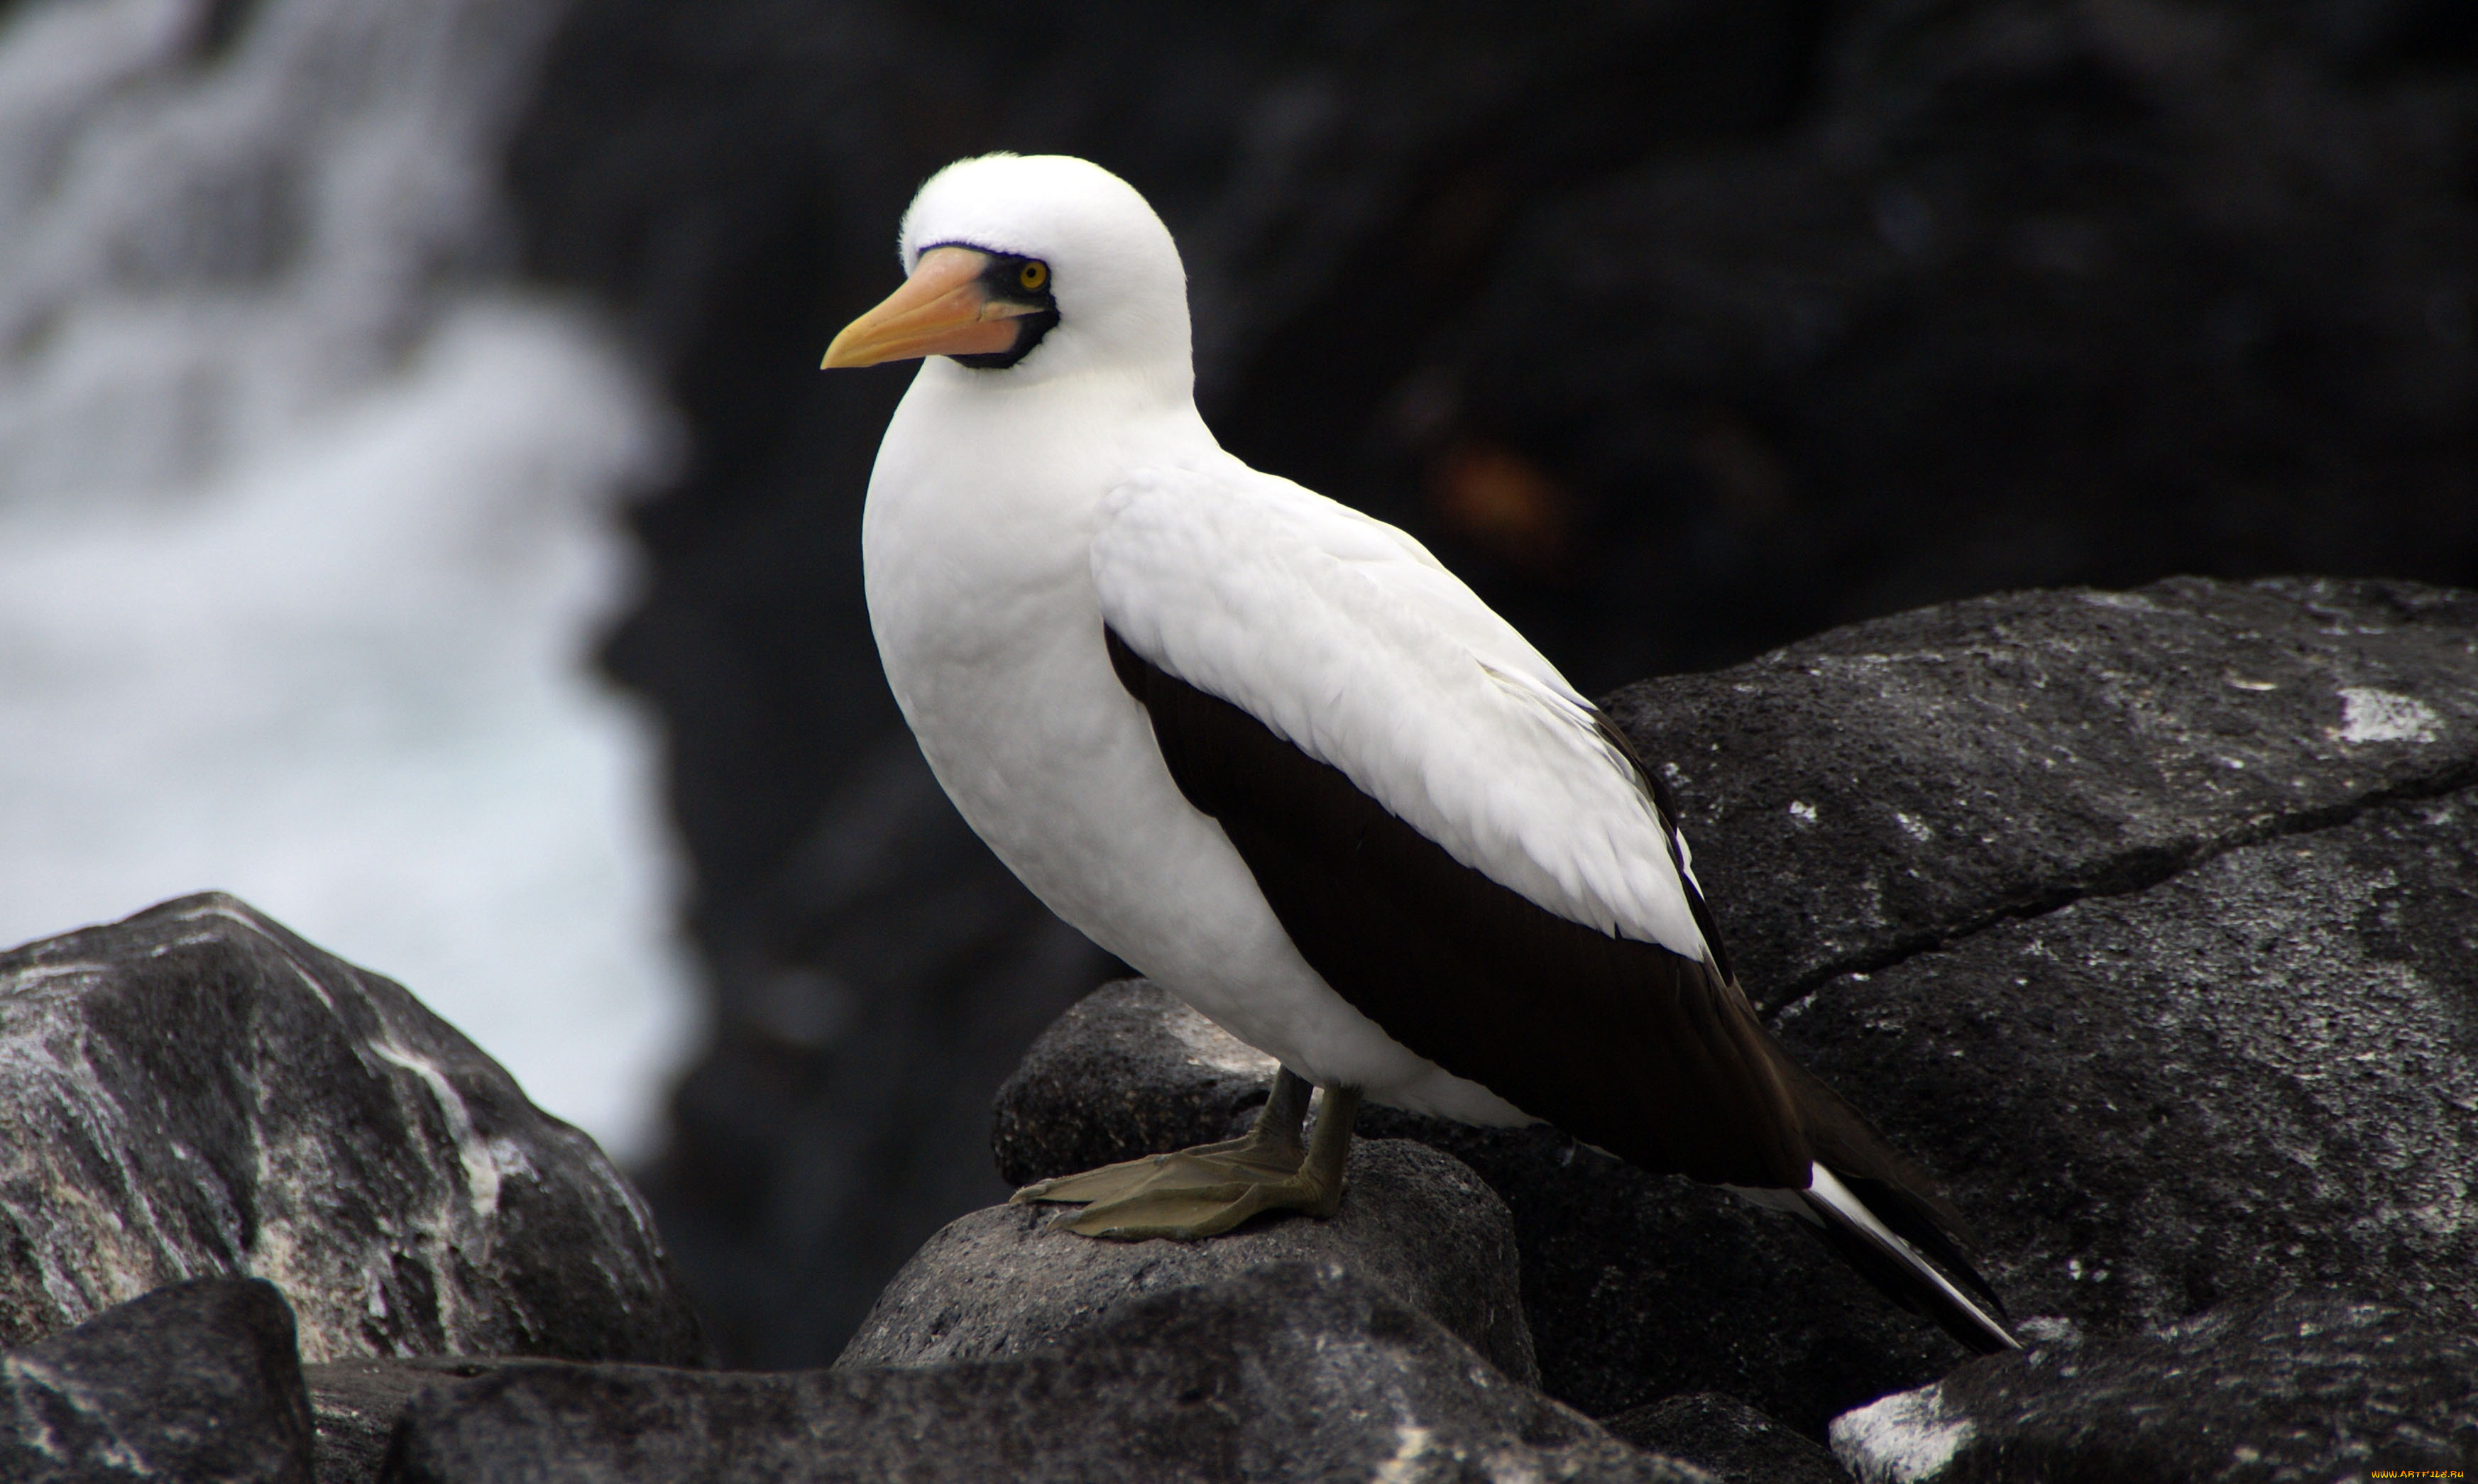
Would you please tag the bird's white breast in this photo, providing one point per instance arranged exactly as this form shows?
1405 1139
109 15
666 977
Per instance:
976 543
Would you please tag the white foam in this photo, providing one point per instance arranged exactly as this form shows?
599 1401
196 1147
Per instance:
306 528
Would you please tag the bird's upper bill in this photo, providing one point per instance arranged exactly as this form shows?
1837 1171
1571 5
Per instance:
946 307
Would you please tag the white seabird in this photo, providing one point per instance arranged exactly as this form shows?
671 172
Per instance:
1269 752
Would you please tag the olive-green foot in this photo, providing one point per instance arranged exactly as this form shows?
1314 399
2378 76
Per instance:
1207 1191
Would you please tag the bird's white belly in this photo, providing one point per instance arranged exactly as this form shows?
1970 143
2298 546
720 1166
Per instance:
992 642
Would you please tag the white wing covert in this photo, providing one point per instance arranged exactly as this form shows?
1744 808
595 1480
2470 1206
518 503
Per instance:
1352 643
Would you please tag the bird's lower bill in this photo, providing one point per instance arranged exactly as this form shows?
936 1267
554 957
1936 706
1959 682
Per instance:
944 309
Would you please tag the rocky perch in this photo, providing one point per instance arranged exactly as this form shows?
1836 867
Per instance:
2149 920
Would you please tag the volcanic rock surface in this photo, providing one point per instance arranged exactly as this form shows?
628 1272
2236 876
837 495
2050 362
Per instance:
356 1405
196 1092
1292 1372
1413 1221
1728 1439
2304 1386
195 1381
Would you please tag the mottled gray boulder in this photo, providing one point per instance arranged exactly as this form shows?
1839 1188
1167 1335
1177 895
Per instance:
1294 1372
1728 1439
2302 1387
198 1381
2259 1074
2145 919
1878 790
356 1404
195 1092
1414 1222
1095 1086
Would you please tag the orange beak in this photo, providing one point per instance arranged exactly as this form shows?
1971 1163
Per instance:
942 310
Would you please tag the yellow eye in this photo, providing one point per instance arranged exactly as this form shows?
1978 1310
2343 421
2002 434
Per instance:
1032 275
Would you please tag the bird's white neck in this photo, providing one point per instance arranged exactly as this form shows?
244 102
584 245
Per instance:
999 446
976 536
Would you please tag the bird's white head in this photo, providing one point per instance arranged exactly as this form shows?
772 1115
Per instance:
1032 268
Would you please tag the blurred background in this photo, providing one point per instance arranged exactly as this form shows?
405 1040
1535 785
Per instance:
419 511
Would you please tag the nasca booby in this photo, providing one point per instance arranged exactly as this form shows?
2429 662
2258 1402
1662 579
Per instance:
1269 752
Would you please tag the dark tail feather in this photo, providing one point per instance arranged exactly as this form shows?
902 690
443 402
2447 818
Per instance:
1892 1264
1885 1215
1898 1209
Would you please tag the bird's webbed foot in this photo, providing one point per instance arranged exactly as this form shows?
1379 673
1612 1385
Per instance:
1211 1189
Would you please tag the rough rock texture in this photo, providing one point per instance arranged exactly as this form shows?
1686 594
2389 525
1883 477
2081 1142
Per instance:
2200 1026
1728 1439
2312 1386
196 1381
1001 1281
2259 1074
2160 910
357 1402
1094 1088
1293 1371
195 1091
1877 790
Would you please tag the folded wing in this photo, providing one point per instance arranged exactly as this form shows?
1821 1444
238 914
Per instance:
1454 838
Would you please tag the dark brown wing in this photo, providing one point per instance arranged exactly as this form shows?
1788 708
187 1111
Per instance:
1652 1055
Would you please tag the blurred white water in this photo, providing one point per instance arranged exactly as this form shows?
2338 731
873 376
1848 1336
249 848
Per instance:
305 524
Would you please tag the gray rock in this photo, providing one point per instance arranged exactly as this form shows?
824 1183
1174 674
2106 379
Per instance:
1416 1223
356 1405
195 1091
195 1381
2302 1387
1290 1373
1878 790
2259 1074
1128 1070
1733 1440
2168 975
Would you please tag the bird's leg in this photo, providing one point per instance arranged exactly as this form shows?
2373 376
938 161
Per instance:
1272 1145
1207 1191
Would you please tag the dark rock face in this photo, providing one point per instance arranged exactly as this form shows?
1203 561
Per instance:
2001 756
2169 978
2308 1386
1293 1371
2024 295
2199 859
1728 1439
196 1091
2257 1074
356 1404
1415 1222
1092 1088
195 1381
